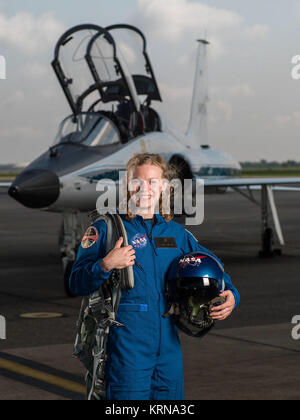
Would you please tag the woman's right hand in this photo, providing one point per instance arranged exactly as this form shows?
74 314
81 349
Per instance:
119 257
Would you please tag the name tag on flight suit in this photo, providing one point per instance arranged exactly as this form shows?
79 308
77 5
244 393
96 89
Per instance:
165 242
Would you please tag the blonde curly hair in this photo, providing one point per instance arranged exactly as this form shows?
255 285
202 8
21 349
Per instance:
139 159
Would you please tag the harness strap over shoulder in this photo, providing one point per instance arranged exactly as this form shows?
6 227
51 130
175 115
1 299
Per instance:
98 313
116 229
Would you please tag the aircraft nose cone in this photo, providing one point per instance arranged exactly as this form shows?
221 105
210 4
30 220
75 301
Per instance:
35 188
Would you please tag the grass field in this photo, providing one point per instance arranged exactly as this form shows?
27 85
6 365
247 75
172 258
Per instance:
269 172
249 172
8 174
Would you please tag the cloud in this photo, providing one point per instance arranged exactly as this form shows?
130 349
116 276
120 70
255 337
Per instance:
170 19
176 21
242 90
292 119
224 112
256 32
13 100
36 70
174 93
32 35
26 141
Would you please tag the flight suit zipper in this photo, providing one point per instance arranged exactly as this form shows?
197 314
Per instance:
139 266
150 236
155 275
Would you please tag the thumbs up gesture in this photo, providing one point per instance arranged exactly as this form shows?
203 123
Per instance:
119 257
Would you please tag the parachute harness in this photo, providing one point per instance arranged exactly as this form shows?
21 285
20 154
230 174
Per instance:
98 314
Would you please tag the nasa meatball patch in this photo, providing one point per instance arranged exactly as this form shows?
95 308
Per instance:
90 238
139 241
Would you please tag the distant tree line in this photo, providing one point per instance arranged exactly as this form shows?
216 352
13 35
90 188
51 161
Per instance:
272 164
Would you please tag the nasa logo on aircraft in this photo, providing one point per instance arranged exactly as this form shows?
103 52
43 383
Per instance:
139 241
193 261
90 238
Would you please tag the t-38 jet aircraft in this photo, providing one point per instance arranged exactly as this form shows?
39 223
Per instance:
109 83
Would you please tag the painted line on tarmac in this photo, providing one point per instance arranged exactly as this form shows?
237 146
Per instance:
42 376
260 343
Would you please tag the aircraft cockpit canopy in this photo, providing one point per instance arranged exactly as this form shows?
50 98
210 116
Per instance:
87 129
97 66
70 64
131 49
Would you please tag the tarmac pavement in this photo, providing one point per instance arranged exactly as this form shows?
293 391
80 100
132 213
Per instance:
252 355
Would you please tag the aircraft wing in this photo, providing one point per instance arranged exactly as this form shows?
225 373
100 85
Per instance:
251 182
268 185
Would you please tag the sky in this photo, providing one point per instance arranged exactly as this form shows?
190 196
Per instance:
254 103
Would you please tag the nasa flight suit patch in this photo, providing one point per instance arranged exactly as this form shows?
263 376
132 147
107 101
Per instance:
139 241
90 238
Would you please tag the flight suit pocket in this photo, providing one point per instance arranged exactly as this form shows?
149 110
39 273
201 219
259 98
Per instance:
133 307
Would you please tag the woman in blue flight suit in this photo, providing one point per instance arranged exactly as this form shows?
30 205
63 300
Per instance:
145 357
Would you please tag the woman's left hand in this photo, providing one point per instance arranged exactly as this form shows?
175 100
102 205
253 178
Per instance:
219 313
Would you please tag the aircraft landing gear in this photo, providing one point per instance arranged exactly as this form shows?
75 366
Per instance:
267 201
267 245
266 204
69 241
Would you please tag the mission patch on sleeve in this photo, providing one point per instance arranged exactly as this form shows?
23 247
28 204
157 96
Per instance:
90 238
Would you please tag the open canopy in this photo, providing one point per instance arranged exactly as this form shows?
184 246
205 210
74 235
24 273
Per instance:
132 45
88 129
70 65
112 64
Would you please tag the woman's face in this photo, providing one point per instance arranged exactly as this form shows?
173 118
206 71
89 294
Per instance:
146 186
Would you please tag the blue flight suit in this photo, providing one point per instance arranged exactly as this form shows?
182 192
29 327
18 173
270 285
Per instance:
145 356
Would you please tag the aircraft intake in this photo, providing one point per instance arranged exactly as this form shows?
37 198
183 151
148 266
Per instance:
35 188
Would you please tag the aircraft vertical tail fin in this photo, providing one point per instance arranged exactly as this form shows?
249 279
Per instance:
197 129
